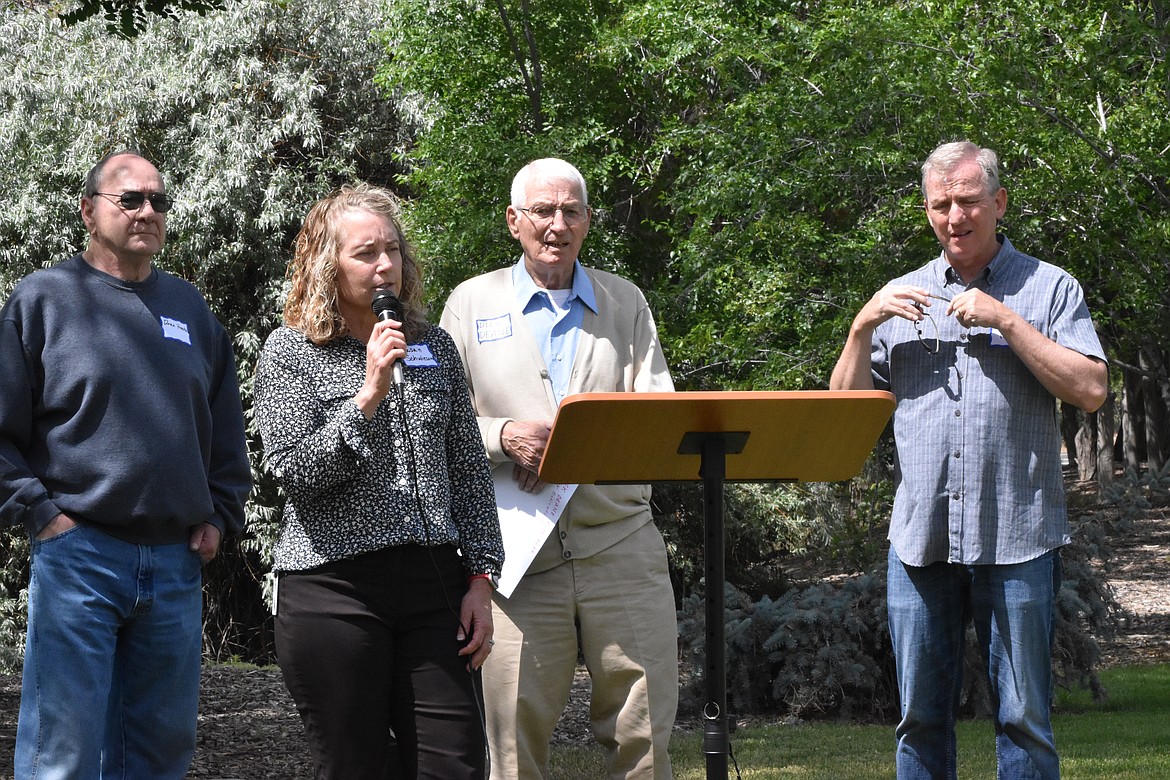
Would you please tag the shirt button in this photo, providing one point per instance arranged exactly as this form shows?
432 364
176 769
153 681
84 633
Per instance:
958 413
568 555
963 336
564 534
955 496
958 454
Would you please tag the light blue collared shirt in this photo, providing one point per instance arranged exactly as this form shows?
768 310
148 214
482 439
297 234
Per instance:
977 469
556 332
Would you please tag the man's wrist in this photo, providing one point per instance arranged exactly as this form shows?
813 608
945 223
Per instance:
505 445
493 440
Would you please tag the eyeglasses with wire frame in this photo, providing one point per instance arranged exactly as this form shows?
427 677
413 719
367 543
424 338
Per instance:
930 339
132 200
543 212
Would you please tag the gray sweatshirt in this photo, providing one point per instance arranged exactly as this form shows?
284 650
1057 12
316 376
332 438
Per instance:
119 405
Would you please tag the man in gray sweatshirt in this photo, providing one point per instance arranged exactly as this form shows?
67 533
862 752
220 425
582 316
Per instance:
122 454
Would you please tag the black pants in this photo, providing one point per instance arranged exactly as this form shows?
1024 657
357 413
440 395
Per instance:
368 649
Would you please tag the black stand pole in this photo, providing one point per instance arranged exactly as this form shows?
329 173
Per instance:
714 449
716 736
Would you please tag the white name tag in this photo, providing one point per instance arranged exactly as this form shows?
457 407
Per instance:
174 329
494 329
420 355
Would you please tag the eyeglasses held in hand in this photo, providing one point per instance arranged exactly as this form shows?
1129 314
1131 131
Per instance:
132 200
928 340
573 215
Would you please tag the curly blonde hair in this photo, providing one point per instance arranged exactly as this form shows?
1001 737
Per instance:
311 306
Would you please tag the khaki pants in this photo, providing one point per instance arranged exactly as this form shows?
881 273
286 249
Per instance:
623 603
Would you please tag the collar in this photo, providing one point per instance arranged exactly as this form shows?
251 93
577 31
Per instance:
946 275
526 288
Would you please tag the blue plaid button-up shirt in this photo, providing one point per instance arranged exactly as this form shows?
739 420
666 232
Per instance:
977 440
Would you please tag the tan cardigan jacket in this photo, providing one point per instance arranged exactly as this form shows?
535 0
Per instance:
618 352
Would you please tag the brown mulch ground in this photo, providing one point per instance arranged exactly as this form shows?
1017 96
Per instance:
249 730
1139 572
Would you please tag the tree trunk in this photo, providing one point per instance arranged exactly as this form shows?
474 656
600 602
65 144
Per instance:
1070 425
1153 388
1086 446
1133 421
1163 423
1105 431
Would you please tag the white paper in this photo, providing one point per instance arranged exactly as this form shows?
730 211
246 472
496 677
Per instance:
525 522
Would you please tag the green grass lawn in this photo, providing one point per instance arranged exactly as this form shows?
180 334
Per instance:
1126 736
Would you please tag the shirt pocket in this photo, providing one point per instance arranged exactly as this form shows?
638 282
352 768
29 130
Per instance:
428 397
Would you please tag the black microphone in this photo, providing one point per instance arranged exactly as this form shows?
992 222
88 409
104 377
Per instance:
386 306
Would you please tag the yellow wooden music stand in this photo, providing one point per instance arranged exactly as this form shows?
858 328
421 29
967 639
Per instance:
797 436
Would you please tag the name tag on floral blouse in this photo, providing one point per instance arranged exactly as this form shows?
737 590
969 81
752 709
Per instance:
420 355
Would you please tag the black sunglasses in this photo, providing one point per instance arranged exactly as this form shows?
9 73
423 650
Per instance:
132 200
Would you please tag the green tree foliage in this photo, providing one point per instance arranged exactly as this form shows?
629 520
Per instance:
499 86
251 113
758 161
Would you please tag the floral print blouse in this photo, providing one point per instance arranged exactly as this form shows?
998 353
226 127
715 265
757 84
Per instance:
414 474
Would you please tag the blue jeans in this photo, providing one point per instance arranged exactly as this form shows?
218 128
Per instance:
112 660
1013 609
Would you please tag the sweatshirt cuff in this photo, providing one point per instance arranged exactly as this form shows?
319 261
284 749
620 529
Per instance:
40 515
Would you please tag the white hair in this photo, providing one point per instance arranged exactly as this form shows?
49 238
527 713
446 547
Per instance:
548 168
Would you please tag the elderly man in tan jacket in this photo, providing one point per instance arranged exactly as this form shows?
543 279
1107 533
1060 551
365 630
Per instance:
531 334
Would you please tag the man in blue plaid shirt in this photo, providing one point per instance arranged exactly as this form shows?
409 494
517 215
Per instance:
977 345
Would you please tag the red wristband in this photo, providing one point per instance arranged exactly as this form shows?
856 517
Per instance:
491 578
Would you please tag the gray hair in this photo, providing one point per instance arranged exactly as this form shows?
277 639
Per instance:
547 167
93 179
946 158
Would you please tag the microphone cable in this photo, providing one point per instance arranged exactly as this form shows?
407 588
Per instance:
428 543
